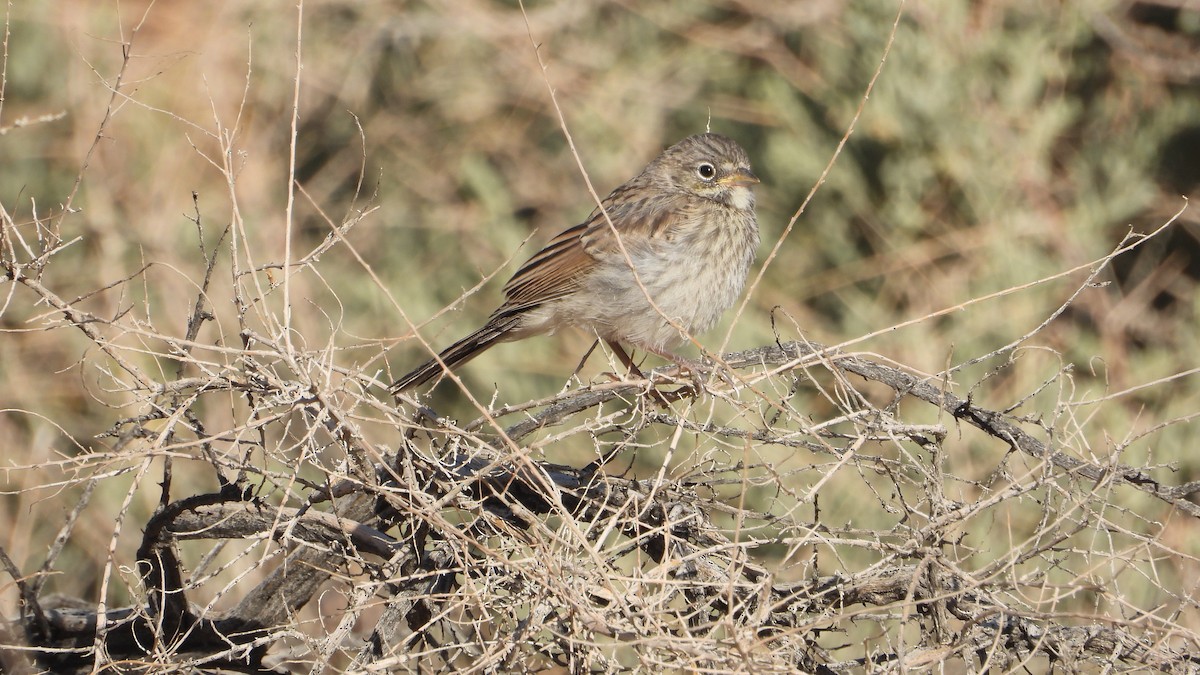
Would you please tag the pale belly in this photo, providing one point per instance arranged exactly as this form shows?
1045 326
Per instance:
678 291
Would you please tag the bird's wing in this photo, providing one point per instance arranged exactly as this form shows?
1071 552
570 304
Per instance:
558 269
551 273
637 219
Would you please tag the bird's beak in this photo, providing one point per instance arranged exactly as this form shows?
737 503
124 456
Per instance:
739 178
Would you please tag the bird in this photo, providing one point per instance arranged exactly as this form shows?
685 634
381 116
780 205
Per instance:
661 259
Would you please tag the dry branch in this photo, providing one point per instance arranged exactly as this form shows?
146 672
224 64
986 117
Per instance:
430 572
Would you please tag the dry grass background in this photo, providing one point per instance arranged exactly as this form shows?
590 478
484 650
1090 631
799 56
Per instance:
1003 143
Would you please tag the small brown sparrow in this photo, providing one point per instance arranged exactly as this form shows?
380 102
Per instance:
670 257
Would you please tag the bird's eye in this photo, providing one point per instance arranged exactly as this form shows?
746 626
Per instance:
706 171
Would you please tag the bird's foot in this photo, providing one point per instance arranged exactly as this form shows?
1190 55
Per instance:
700 372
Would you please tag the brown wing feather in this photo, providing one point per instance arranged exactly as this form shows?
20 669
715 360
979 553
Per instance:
638 220
552 273
556 270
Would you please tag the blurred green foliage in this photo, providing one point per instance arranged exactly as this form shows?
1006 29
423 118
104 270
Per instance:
1004 142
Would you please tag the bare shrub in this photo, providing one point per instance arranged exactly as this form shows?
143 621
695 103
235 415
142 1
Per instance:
227 487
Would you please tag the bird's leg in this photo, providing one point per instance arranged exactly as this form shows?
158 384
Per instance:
698 370
695 369
623 356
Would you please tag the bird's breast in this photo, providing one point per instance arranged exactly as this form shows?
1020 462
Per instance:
682 286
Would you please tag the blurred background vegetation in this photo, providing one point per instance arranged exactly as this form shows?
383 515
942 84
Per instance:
1005 141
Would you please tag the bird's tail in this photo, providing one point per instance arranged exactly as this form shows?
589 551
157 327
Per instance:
456 354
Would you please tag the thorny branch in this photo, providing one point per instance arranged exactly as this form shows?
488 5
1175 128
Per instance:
384 530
